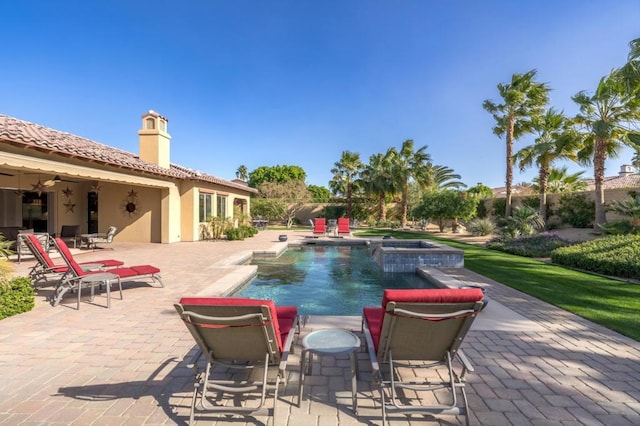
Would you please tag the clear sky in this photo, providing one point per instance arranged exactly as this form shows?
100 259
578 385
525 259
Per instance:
261 83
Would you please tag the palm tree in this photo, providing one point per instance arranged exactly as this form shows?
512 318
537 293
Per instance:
376 179
408 165
241 173
630 72
605 118
443 177
345 174
556 140
523 100
560 181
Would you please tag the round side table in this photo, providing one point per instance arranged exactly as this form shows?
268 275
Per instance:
330 342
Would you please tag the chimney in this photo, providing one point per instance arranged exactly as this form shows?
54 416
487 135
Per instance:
154 139
625 170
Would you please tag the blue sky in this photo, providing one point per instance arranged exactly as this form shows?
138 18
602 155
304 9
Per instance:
261 83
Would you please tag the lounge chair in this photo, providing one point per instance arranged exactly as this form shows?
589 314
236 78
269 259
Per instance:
46 269
343 226
76 278
320 226
238 333
92 240
421 329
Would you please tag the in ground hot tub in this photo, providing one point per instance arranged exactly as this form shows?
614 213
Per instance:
407 255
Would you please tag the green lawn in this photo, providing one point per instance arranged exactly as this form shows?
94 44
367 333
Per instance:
612 303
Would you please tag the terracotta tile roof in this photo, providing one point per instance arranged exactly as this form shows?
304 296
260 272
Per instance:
613 182
30 135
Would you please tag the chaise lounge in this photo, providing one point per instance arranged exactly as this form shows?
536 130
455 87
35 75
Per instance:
421 329
241 336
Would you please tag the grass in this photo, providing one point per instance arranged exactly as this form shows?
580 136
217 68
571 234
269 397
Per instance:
612 303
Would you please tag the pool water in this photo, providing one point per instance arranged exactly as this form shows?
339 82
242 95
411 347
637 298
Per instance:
326 280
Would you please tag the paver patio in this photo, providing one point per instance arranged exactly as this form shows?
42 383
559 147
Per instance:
535 364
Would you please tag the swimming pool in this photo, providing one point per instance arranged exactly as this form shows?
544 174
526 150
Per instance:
327 280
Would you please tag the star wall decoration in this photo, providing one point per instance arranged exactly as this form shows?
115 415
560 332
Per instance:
69 207
38 187
67 192
96 187
19 193
132 194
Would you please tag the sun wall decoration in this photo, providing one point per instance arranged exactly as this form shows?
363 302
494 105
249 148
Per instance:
130 204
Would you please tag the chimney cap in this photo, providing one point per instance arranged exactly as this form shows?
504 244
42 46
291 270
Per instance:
152 113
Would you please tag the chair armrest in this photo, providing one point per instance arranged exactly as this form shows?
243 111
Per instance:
373 357
286 349
466 364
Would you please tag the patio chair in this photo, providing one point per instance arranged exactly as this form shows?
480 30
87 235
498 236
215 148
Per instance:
76 278
320 225
249 335
343 226
92 240
45 268
70 234
421 329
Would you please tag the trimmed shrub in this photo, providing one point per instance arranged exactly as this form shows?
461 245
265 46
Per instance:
538 245
577 210
614 256
16 296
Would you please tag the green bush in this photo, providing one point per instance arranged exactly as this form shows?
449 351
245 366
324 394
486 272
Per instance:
615 256
619 227
16 296
481 227
241 232
499 206
538 245
577 210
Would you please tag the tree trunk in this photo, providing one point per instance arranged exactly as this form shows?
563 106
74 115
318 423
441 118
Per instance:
599 157
349 200
382 207
509 177
405 207
543 177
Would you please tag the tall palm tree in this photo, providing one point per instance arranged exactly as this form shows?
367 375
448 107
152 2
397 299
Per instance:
556 140
630 72
376 179
560 181
605 118
408 165
345 177
523 99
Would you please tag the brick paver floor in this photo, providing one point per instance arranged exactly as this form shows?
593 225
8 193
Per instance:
125 365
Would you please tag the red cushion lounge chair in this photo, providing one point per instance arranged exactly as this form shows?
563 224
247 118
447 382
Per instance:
45 268
320 225
74 279
343 226
237 333
422 329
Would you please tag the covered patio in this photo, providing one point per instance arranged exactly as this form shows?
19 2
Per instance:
535 363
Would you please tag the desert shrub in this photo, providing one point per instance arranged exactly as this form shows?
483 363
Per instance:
241 232
16 296
523 221
619 227
576 210
538 245
482 211
499 206
481 227
615 256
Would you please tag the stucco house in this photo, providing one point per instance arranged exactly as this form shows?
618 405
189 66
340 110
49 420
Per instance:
50 178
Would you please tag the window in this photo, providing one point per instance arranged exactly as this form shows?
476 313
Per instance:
222 206
163 125
206 205
151 123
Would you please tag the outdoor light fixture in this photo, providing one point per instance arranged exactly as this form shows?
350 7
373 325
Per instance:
57 179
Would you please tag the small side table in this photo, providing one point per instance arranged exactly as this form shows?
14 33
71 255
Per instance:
93 279
332 342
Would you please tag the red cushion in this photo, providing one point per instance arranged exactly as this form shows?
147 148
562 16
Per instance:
432 295
373 317
286 318
241 301
145 269
107 263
